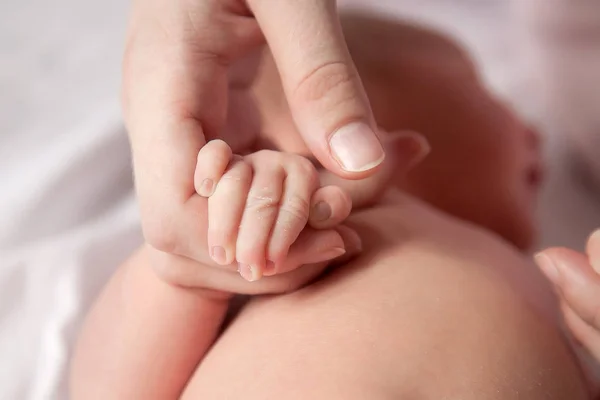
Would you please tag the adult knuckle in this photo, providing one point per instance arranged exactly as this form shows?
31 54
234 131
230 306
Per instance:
323 80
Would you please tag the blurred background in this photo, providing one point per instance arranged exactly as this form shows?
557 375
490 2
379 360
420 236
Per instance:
67 210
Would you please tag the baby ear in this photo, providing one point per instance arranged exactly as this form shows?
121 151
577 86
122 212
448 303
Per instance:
403 151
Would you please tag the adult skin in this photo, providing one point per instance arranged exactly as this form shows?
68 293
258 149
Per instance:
187 69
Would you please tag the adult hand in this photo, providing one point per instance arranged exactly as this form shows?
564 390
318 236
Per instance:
576 278
187 69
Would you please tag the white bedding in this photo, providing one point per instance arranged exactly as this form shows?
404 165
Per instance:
67 214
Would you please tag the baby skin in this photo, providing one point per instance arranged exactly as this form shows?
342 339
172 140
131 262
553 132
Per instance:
272 221
440 303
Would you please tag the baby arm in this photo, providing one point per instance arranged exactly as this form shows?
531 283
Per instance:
148 331
143 336
160 313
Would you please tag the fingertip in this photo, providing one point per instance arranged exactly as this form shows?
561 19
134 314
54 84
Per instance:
356 148
212 161
251 273
330 206
593 250
351 239
406 149
548 267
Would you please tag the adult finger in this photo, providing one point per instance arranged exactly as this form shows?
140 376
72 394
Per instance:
333 246
588 336
404 150
325 94
175 86
575 281
593 251
184 272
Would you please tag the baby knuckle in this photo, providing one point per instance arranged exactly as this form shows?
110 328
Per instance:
296 207
262 201
303 165
240 173
264 157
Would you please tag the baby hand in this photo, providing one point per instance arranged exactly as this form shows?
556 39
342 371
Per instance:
576 278
259 207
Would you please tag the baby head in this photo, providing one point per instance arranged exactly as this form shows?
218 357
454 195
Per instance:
484 165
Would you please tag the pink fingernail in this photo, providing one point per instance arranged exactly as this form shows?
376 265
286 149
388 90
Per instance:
249 273
321 211
206 188
269 269
548 267
219 255
356 147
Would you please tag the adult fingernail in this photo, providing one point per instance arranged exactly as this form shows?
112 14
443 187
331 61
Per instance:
219 255
328 255
594 251
249 272
321 211
548 267
356 147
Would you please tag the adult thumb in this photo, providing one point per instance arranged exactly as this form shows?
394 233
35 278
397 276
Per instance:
404 150
323 89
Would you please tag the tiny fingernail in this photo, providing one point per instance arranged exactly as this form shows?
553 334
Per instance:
321 211
269 268
548 267
248 272
218 255
356 147
207 187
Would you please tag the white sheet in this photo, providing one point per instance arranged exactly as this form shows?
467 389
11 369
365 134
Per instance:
67 214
